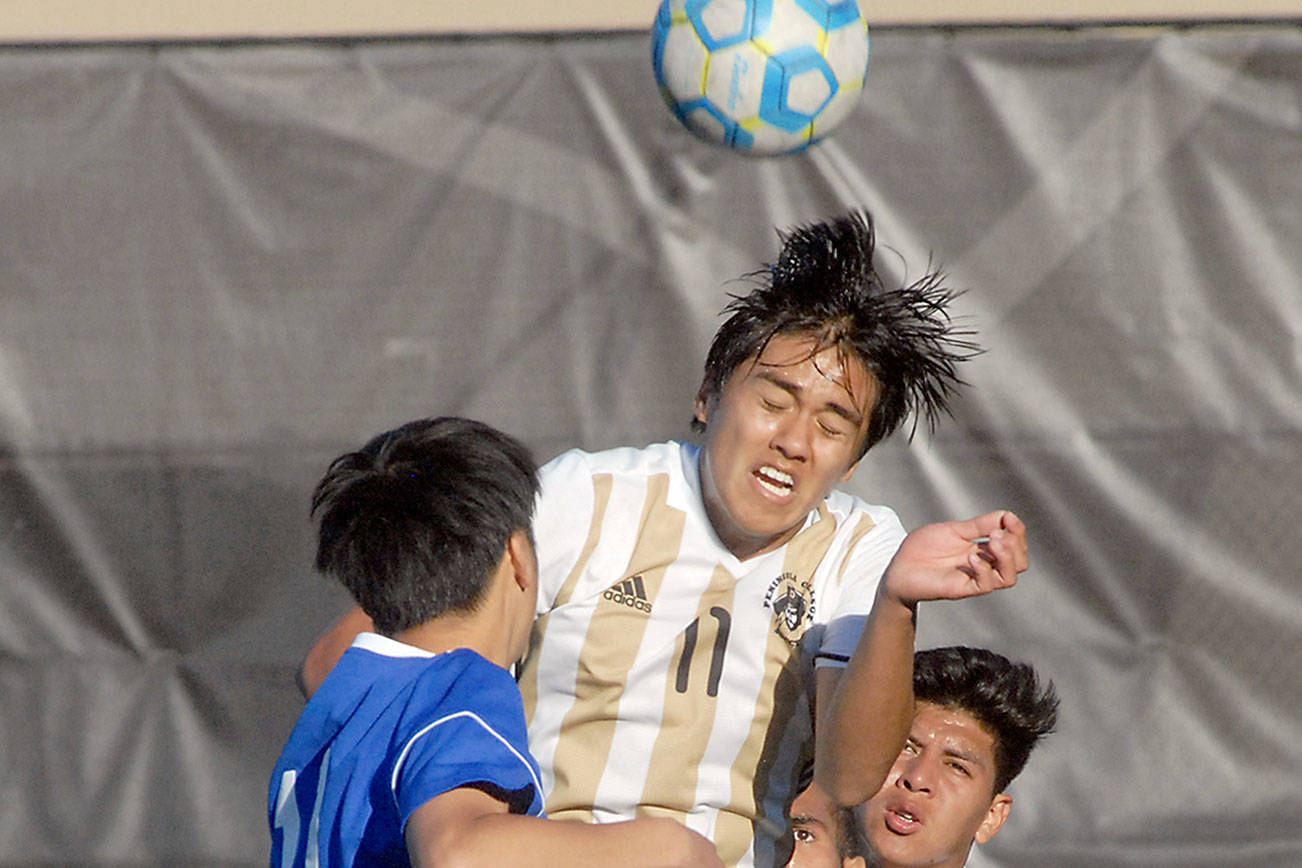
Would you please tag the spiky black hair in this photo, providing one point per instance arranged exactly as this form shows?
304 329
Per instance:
824 285
1006 698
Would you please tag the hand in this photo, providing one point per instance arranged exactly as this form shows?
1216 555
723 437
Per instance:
684 848
951 560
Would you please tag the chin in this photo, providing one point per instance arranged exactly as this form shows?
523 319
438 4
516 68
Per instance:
905 853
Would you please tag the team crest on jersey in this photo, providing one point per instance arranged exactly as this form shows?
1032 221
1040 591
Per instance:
630 592
792 601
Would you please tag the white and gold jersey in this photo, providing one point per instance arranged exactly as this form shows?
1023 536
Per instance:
664 675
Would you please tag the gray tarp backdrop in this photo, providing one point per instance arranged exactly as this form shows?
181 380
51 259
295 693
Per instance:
220 265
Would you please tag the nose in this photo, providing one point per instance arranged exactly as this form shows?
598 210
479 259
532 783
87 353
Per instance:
916 776
791 437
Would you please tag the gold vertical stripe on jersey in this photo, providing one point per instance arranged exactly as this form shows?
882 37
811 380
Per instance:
528 680
860 531
732 836
786 683
687 719
609 650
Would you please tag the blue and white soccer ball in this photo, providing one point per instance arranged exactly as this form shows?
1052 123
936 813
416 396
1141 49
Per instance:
761 76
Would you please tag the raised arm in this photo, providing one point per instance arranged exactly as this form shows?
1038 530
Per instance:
467 828
329 648
865 710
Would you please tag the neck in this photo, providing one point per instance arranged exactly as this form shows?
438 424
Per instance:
745 547
460 630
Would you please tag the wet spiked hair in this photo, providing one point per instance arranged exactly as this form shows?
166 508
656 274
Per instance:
1004 697
824 285
414 523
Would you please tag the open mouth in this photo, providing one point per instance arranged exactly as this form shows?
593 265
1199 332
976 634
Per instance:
776 481
902 822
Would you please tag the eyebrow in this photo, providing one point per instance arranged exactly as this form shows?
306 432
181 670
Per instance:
849 414
966 756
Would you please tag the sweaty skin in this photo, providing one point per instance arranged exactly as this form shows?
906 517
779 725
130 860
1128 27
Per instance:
785 429
817 832
939 796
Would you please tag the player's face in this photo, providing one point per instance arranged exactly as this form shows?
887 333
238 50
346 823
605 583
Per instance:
939 796
784 430
813 821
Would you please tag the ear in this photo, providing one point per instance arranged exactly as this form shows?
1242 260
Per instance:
524 563
701 407
1000 806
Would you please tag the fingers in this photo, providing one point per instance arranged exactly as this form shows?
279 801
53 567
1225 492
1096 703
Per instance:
1000 553
1011 523
992 524
956 559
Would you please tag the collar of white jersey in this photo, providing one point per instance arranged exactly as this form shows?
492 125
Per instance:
387 647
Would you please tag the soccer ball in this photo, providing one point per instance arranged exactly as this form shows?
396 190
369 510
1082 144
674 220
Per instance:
761 76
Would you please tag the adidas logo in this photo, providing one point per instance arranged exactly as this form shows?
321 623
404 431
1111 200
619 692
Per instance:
631 593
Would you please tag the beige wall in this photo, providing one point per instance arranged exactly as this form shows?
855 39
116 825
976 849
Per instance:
24 20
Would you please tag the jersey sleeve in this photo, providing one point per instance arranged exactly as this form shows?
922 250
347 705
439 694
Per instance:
562 517
477 740
861 572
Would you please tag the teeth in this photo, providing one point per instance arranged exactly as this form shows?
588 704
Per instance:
775 480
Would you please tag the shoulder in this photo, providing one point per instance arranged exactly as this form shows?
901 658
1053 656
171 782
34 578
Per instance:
621 460
467 729
571 478
462 692
468 677
852 512
600 499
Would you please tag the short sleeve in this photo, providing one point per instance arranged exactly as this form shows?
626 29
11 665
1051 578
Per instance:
861 572
478 740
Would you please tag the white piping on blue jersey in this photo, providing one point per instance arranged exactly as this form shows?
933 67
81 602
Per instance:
402 757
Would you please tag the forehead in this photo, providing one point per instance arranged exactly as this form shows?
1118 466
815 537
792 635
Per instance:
953 729
814 362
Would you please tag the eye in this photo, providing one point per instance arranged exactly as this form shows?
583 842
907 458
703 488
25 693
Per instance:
960 768
831 431
803 835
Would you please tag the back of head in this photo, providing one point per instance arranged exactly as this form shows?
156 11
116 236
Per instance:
1004 697
824 285
415 521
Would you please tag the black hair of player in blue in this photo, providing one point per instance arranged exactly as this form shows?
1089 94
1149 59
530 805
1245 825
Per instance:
414 522
824 285
1005 698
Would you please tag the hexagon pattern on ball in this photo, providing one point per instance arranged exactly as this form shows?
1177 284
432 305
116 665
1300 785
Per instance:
760 76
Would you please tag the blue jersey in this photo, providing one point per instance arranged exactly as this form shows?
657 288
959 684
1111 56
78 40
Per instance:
390 728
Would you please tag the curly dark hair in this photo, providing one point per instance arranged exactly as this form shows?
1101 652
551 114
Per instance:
824 285
1006 699
414 522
